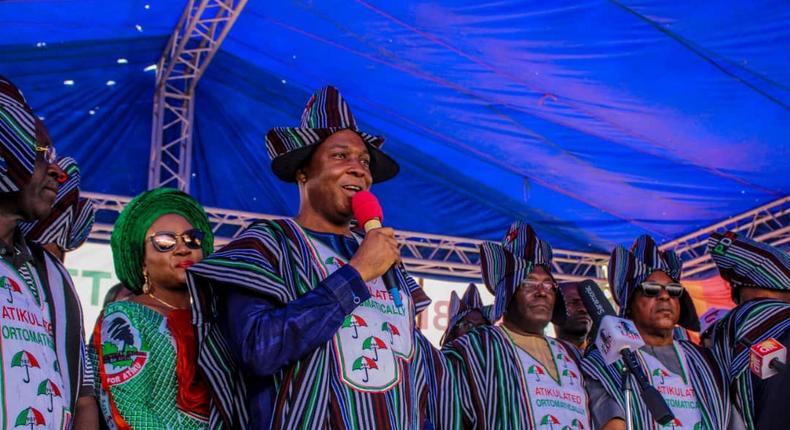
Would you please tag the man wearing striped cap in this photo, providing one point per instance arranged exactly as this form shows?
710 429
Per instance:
65 229
759 275
295 311
646 286
512 376
465 314
42 343
69 223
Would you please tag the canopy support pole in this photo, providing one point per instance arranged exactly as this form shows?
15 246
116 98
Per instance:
194 42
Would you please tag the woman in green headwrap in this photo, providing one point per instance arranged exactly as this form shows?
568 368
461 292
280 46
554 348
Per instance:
144 348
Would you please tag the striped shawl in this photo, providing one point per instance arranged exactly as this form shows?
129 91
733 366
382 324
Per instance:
490 380
704 374
271 259
752 322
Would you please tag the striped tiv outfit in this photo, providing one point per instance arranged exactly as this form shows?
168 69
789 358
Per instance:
377 372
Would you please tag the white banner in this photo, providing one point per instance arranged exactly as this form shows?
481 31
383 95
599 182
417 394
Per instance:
433 320
93 274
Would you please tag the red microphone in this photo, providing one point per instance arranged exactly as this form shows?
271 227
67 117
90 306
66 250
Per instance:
767 358
369 215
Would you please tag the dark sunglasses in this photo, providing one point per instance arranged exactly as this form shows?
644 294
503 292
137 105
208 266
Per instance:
653 289
166 241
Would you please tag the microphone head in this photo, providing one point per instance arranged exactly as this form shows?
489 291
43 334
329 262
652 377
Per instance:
596 303
366 207
616 334
762 354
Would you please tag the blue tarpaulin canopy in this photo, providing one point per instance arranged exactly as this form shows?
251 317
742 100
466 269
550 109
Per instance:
594 120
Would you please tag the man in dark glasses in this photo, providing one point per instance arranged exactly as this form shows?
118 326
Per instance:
646 286
512 375
759 275
42 345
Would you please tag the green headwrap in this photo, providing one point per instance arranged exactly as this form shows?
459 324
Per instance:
128 234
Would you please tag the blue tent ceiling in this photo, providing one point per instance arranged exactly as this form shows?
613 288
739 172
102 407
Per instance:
596 121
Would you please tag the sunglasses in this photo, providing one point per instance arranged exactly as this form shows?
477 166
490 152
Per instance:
49 154
653 289
166 241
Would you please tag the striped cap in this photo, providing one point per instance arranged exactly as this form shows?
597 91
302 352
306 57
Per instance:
71 219
325 114
505 265
628 269
459 308
745 262
17 138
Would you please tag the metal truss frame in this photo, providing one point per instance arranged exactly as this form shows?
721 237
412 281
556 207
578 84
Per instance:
458 258
194 42
428 255
769 223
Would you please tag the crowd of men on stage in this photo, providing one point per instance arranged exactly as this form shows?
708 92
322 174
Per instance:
310 322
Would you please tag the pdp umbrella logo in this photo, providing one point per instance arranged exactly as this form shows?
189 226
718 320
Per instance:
26 360
660 373
564 359
364 363
570 374
575 425
49 388
675 423
11 286
391 329
30 417
122 350
374 344
549 420
334 261
537 371
354 321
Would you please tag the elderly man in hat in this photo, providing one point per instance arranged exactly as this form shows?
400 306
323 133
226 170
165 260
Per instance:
512 376
299 305
646 284
465 314
578 323
42 345
65 229
70 222
759 275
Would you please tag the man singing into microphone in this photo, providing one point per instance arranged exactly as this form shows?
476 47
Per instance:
301 308
513 376
759 275
646 285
